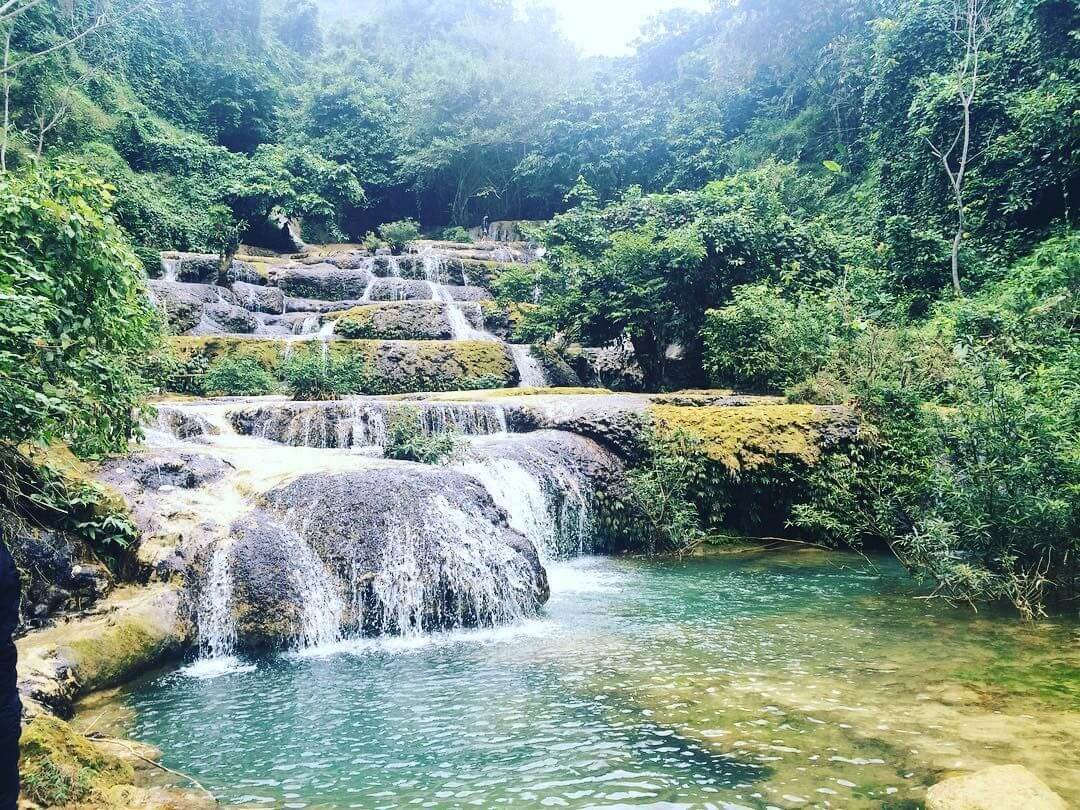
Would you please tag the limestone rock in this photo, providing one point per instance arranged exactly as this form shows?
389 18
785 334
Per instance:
133 630
397 289
322 281
182 304
1004 787
357 533
396 320
226 319
257 298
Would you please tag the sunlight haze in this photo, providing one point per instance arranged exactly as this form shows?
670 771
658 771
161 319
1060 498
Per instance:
609 27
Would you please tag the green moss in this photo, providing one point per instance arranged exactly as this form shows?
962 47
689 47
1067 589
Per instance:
210 348
506 393
393 366
60 767
747 437
122 649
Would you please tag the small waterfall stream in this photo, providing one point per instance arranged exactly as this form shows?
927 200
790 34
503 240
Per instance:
529 369
217 629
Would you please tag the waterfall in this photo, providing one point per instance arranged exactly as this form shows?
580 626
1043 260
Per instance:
529 369
170 269
547 500
443 568
322 608
217 628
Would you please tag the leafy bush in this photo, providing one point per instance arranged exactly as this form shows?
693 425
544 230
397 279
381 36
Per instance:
662 486
764 342
399 234
307 377
455 234
237 377
969 471
372 242
407 441
77 322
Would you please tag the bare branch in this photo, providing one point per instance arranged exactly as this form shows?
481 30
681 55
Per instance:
11 9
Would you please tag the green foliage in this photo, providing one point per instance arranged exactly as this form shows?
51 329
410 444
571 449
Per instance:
237 377
53 786
455 234
406 439
78 323
970 469
662 486
308 377
399 234
763 342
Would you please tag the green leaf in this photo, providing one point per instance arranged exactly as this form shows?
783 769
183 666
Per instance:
833 166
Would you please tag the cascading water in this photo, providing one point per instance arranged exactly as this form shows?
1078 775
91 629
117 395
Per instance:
322 606
170 269
443 568
530 372
546 499
217 629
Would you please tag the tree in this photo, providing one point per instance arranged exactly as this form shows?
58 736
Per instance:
12 13
226 233
971 25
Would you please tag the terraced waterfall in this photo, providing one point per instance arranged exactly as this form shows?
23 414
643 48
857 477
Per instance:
345 629
340 543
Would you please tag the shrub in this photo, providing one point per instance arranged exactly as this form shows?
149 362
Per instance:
307 377
407 441
372 242
764 342
77 323
237 377
455 234
662 486
399 234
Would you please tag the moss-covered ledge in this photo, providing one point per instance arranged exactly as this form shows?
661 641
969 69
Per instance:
395 366
748 436
135 629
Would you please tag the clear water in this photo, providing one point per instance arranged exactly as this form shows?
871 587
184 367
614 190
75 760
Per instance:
744 681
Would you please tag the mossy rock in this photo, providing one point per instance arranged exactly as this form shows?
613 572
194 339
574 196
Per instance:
751 436
61 767
396 366
395 320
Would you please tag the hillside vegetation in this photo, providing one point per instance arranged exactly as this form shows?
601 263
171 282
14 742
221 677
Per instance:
841 201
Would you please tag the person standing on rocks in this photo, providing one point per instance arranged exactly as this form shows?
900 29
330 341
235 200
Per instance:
10 707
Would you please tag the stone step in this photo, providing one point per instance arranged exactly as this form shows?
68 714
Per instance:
390 366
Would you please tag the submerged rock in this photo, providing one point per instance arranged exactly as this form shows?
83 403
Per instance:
1005 787
402 549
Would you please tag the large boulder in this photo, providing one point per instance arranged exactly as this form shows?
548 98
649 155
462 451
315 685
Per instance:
324 282
340 548
1004 787
397 289
396 320
134 630
182 304
226 319
195 268
258 298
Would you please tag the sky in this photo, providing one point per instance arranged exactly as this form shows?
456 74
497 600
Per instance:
608 27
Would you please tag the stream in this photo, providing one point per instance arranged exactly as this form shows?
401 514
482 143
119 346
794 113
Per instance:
730 681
